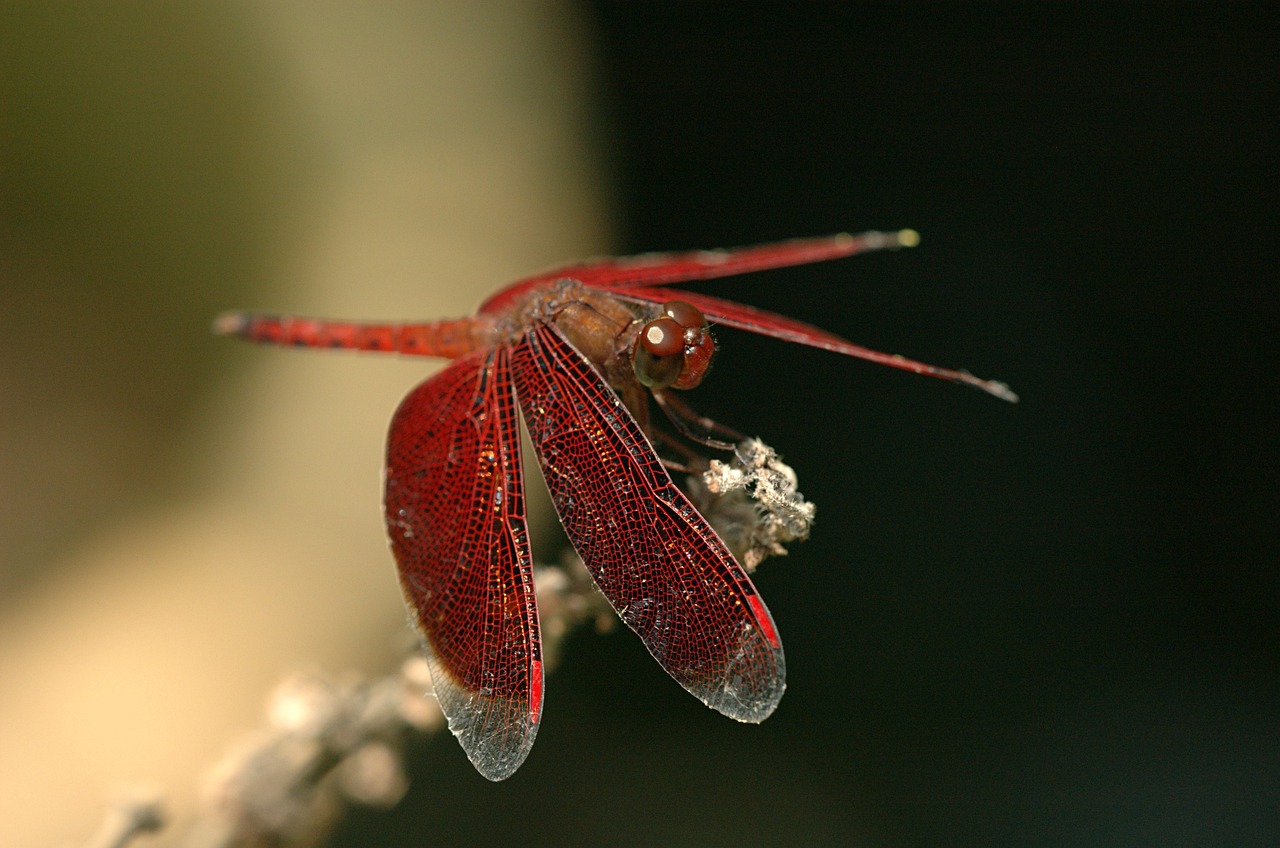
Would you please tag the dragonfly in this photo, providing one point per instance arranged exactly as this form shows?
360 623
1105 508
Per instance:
579 352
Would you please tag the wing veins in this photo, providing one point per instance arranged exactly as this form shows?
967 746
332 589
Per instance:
653 556
455 514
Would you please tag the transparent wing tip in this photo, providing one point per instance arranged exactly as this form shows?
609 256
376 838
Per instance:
995 388
495 732
750 687
877 240
905 238
750 704
1002 391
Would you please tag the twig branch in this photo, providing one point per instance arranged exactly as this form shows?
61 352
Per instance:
137 811
331 742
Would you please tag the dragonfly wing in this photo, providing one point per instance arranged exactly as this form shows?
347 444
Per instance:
727 313
455 514
740 316
663 269
653 556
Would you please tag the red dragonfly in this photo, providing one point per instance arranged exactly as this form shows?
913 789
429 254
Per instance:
579 350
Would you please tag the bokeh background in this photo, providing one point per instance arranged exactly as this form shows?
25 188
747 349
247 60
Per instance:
1052 624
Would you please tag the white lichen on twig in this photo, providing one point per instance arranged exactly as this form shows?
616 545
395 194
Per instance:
753 503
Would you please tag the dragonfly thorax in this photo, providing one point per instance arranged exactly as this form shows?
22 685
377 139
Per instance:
636 347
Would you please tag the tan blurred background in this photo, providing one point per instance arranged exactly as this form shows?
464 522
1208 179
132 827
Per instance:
183 519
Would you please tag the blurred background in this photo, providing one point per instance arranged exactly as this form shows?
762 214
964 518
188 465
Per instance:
1052 623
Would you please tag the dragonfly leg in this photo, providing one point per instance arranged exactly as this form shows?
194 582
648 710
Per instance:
685 418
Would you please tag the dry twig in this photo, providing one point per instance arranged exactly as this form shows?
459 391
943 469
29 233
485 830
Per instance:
332 742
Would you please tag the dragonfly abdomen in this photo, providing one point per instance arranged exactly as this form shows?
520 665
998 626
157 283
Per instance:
446 339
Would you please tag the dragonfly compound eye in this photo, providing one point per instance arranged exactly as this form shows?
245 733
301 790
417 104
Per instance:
663 337
685 314
659 353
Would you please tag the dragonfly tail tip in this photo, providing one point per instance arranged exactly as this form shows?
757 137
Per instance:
230 324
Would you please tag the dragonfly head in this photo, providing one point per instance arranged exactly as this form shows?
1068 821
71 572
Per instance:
673 350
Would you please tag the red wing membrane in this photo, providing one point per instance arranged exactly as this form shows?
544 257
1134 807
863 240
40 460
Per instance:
653 556
455 515
765 323
662 269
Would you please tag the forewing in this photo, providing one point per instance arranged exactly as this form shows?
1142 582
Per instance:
455 515
653 556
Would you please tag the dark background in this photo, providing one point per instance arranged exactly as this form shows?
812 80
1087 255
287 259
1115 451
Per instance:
1051 623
